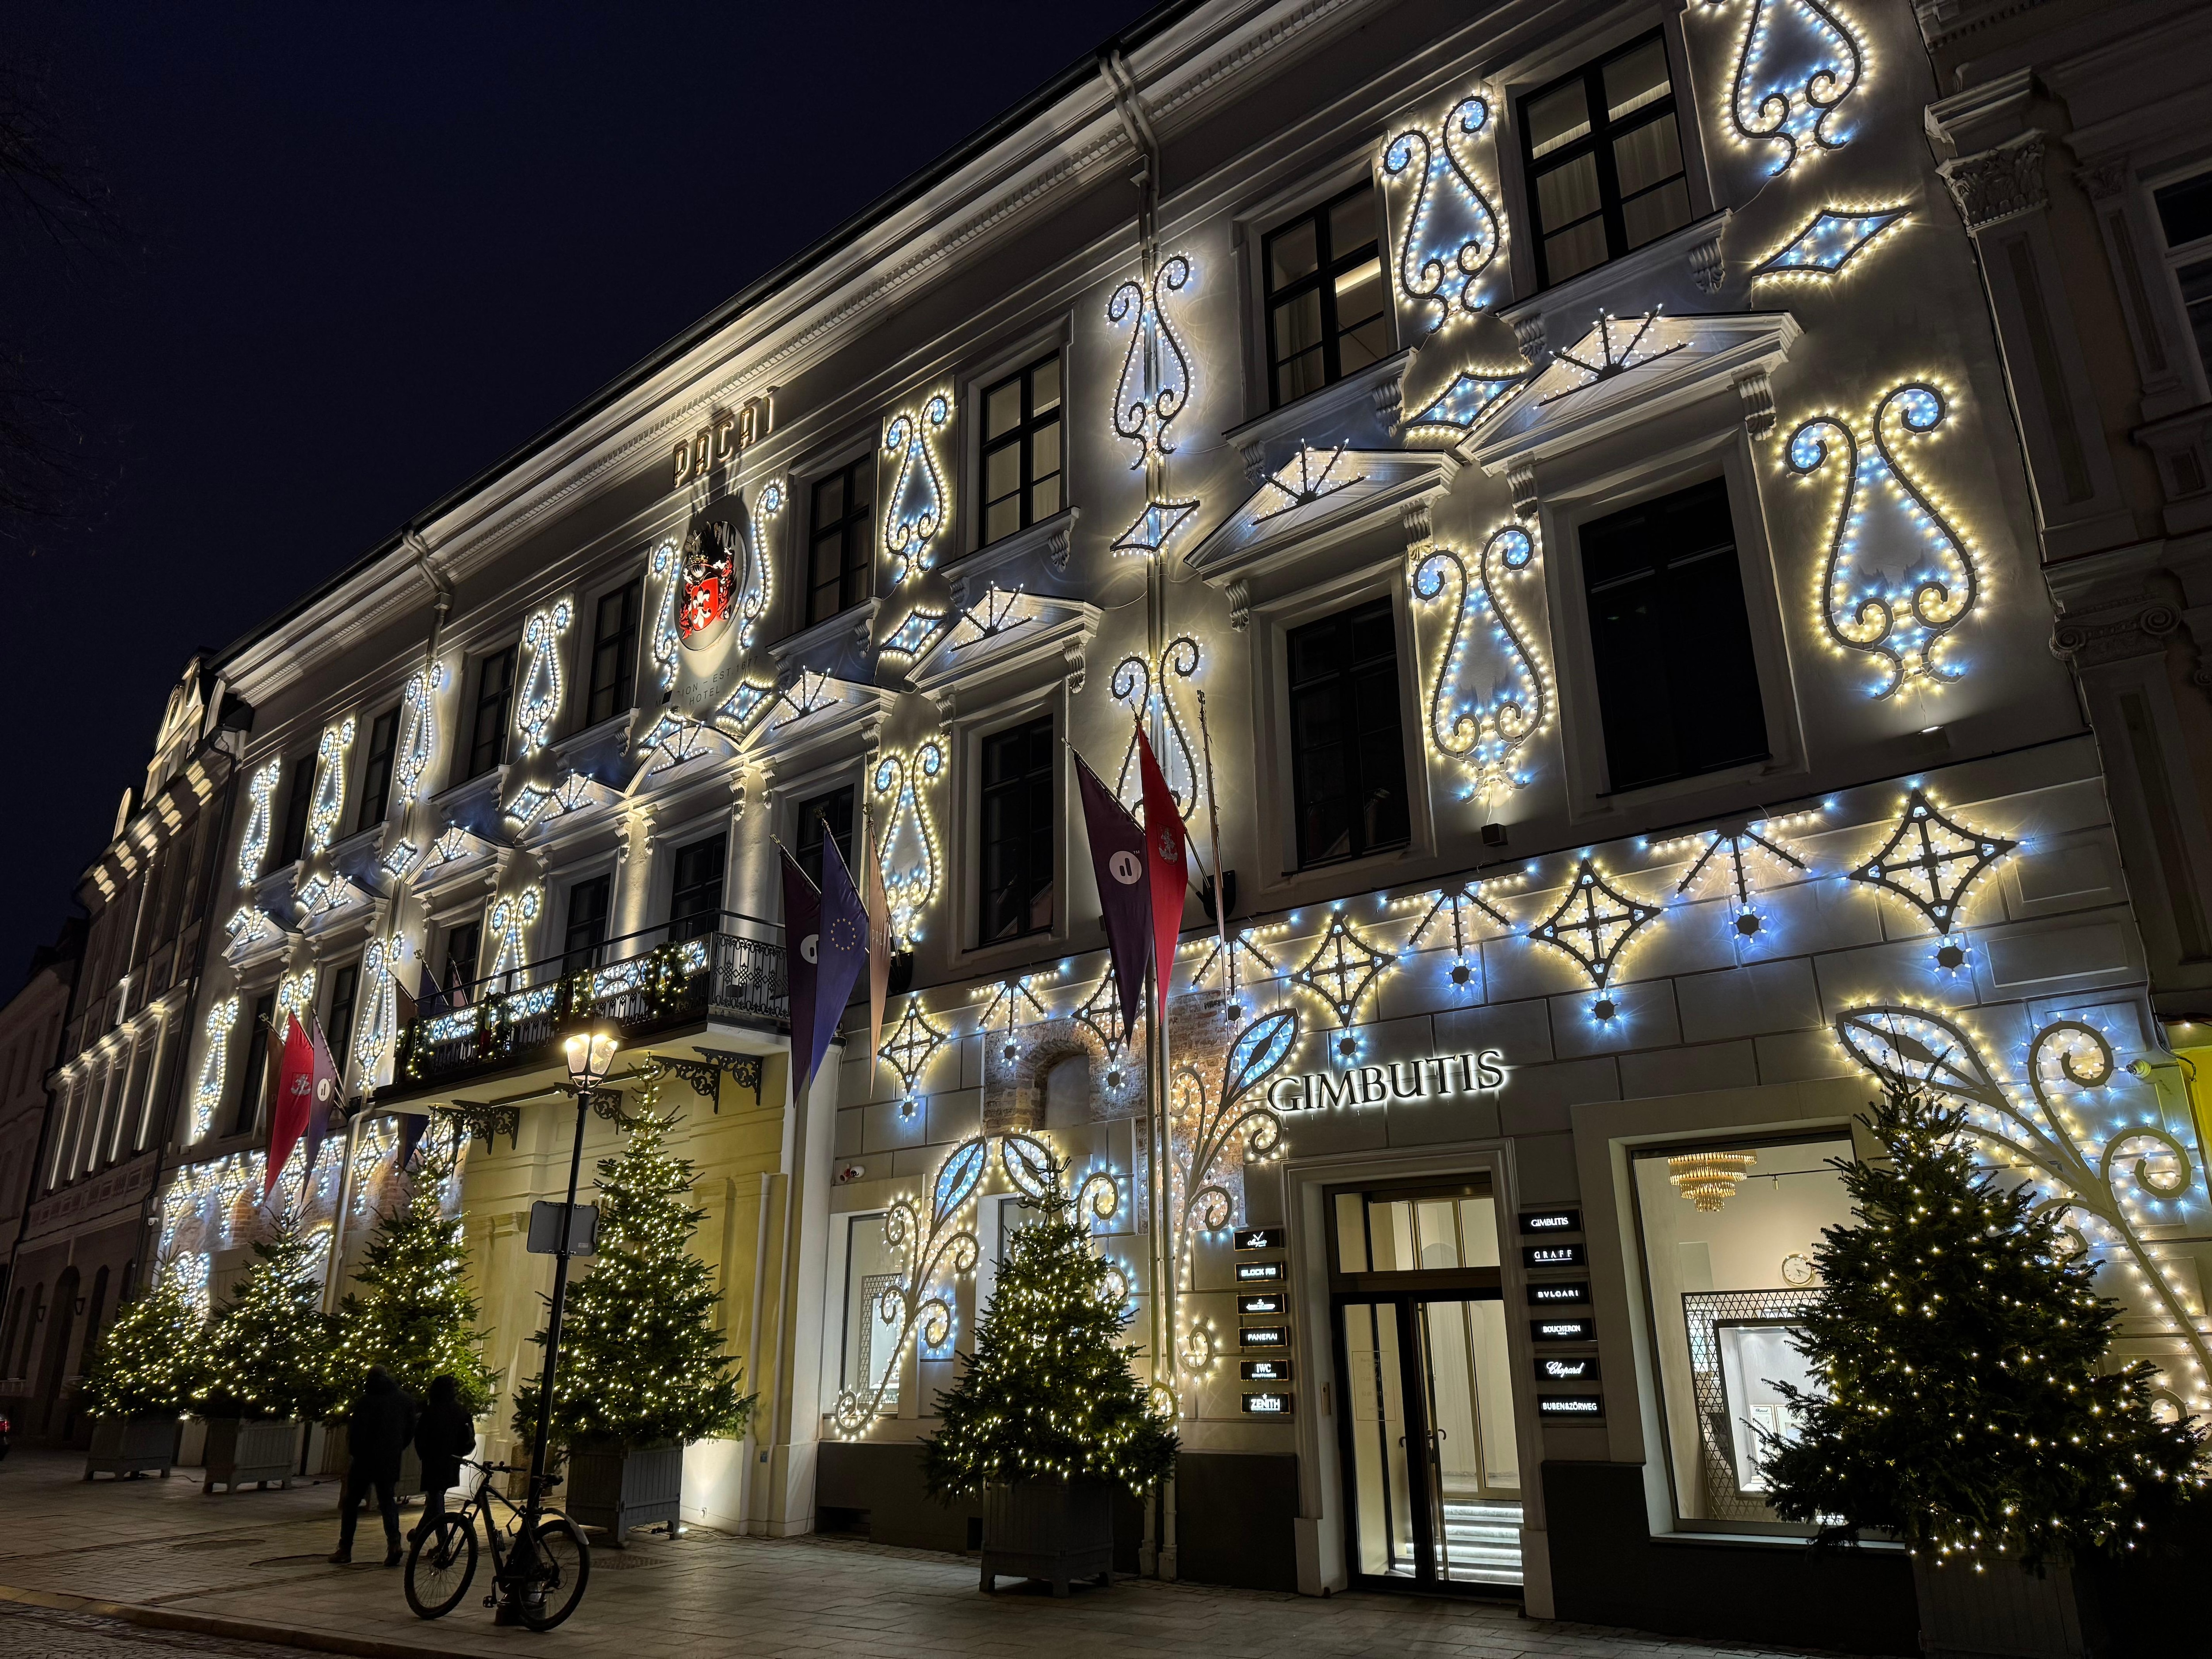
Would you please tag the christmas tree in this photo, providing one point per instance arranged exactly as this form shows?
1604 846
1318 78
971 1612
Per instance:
150 1363
414 1312
1965 1409
269 1350
1048 1393
641 1361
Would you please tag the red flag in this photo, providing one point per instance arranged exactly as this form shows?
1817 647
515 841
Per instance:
323 1098
1117 860
879 948
295 1095
1164 865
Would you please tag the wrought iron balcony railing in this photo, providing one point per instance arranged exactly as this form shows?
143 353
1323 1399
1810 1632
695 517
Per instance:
640 983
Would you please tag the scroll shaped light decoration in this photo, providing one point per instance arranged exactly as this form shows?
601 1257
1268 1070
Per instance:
1211 1135
666 569
539 701
1932 862
260 795
513 915
418 731
1592 927
379 1016
327 805
1138 688
1343 972
1798 61
912 859
2083 1129
214 1064
911 1046
1734 854
938 1243
1469 909
1903 620
1153 388
1486 724
916 509
1032 1167
1451 230
295 999
1826 244
757 588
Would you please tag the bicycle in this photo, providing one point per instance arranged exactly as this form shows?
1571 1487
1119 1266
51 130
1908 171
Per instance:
546 1582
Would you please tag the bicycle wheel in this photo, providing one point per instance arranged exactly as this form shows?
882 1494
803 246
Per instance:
440 1567
564 1567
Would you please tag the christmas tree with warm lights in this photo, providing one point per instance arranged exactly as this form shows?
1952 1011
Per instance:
150 1363
641 1363
270 1346
1965 1406
414 1312
1048 1393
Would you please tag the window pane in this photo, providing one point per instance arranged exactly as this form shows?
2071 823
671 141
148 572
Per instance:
2184 209
1654 214
1002 409
1002 472
1044 499
1568 193
1299 376
870 1347
829 499
1359 294
1556 119
1002 518
1647 155
1632 82
1044 387
1298 324
1351 223
2197 295
1291 254
1044 451
1362 346
1573 251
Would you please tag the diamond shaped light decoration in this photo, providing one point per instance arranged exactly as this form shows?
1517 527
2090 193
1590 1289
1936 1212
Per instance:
1158 521
909 1049
1827 242
1592 925
1456 411
1932 861
1342 970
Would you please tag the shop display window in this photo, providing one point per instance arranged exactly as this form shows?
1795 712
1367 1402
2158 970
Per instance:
870 1347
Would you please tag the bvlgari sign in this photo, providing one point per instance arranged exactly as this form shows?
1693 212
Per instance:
1437 1077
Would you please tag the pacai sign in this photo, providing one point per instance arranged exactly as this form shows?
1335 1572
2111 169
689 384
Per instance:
1438 1076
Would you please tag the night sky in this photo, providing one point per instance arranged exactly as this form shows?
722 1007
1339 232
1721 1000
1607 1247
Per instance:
363 253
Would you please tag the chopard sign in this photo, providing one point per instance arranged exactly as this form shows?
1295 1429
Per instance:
1482 1073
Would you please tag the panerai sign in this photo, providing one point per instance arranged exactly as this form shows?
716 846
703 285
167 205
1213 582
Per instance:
1439 1075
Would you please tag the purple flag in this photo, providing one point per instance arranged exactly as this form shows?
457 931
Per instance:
428 1003
1117 855
841 954
802 927
412 1126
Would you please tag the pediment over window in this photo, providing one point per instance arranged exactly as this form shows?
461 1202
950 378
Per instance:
674 744
457 854
534 804
1006 636
811 709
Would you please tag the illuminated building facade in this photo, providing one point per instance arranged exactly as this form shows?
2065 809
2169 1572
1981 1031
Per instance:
1550 493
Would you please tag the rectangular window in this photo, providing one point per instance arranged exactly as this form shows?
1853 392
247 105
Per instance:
462 944
695 903
345 996
1677 686
1016 889
587 924
488 720
253 1081
829 814
614 656
1347 760
376 774
1328 305
299 790
871 1346
1604 161
1728 1285
1022 449
2184 218
842 544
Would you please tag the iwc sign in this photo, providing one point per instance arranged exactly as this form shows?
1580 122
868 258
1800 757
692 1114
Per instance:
1439 1076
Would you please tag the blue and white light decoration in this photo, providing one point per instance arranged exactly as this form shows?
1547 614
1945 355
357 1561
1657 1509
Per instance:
1798 61
1827 242
418 731
1459 407
916 509
759 587
1897 598
912 637
668 577
1485 717
1153 388
1452 231
539 702
913 861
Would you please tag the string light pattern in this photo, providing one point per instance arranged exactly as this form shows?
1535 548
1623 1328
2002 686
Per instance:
1155 383
1931 862
513 914
1152 530
539 701
1468 907
327 805
215 1065
916 509
911 1046
1100 1014
379 1019
1343 970
669 590
1452 230
758 587
1731 851
247 927
1768 103
1015 1002
295 999
1459 407
1244 953
1592 927
1621 348
418 731
912 860
1488 730
671 740
1904 622
1300 484
1140 688
1828 241
912 637
260 795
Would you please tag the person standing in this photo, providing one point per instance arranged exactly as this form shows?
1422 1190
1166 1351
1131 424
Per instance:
382 1422
444 1434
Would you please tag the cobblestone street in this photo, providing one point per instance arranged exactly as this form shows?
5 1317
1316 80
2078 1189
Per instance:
252 1565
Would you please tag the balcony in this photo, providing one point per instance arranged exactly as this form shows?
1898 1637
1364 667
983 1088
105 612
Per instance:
643 985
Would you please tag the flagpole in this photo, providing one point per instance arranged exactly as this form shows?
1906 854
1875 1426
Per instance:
1220 876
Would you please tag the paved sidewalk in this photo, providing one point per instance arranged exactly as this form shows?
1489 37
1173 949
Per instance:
251 1564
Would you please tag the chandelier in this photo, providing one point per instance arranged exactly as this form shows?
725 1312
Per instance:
1706 1179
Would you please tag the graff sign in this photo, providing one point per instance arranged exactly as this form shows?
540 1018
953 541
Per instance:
1439 1075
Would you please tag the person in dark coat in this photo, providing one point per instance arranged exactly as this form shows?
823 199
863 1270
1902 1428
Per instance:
444 1434
377 1433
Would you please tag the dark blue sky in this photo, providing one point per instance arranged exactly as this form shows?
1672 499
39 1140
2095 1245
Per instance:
367 251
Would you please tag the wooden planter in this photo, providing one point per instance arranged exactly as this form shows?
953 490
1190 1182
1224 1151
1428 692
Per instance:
131 1446
2004 1612
241 1452
1056 1530
337 1460
616 1488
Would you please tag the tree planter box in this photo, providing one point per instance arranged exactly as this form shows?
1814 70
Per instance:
2004 1612
126 1446
337 1460
1055 1531
241 1453
620 1488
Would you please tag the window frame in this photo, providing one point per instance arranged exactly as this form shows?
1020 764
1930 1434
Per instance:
2173 257
503 743
336 1032
246 1108
1022 436
864 464
297 806
1315 209
624 688
1033 783
377 768
828 790
574 959
1340 615
678 926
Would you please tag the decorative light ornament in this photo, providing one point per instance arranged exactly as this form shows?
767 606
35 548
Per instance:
671 740
1299 483
1462 903
539 701
1016 1001
1242 946
1621 348
327 805
1932 862
512 917
1735 843
247 926
911 1046
806 694
1459 407
758 588
1763 105
668 590
1489 733
911 880
1155 383
1138 688
1827 242
747 704
379 1019
418 731
1452 231
214 1066
1592 926
1342 970
260 795
1153 528
1708 1179
295 999
915 510
1100 1014
912 637
1905 621
190 1269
